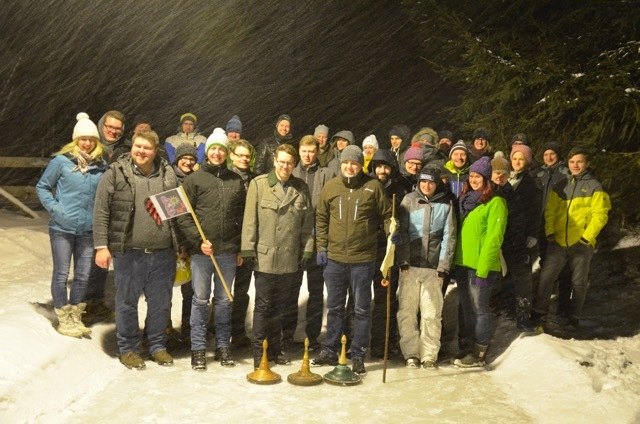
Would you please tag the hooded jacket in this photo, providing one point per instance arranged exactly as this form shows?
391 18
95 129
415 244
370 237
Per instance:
404 133
112 151
195 139
577 208
429 230
349 214
334 164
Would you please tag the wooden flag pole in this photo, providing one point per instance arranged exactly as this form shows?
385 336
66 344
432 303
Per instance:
199 227
387 324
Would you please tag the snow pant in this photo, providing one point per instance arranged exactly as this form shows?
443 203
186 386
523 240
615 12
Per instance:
338 278
137 272
578 257
65 246
240 301
315 303
475 305
420 292
379 310
201 271
271 294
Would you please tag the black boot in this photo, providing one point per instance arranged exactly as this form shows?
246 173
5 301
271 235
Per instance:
523 320
199 360
475 359
223 354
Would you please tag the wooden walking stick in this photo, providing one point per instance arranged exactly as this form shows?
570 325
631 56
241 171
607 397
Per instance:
387 263
199 227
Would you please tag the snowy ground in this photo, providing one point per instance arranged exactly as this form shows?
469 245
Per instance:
45 377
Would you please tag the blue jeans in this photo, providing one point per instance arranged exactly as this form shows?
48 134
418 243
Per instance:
475 304
201 271
137 272
63 247
338 278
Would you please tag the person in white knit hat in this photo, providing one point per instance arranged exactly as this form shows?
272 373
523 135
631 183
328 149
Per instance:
369 148
67 189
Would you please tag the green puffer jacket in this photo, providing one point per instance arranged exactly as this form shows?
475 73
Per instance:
481 237
348 215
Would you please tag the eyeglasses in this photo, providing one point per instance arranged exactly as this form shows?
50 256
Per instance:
112 128
414 164
188 159
284 164
243 156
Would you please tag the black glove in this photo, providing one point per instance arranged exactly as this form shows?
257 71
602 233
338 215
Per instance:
305 262
249 262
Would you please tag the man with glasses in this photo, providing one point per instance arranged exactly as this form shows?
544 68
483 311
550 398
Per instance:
277 235
111 128
411 167
241 155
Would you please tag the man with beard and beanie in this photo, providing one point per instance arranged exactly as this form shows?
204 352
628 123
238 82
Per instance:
445 141
385 169
217 196
187 133
277 236
309 171
110 129
399 140
577 210
428 230
143 247
267 147
457 167
234 128
480 144
351 209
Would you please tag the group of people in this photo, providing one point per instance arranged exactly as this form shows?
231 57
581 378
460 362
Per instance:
281 207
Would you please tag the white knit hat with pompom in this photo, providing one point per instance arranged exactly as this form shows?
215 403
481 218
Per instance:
85 127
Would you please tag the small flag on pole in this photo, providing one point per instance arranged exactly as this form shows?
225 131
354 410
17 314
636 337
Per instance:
170 203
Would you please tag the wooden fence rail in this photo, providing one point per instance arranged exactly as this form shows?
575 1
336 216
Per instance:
22 196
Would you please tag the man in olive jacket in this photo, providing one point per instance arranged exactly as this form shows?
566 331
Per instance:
277 235
350 210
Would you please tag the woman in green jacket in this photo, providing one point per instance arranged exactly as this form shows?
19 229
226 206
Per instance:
484 220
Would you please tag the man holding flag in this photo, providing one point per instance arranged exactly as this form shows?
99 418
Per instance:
142 246
217 196
350 210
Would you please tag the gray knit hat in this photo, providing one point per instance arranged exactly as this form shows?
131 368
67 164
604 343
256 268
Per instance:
352 153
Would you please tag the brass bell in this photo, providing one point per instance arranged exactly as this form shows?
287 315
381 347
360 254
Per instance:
342 374
264 375
305 377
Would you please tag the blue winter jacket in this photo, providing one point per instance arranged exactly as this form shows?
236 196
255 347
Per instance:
68 194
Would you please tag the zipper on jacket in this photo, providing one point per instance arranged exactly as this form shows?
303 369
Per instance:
566 229
340 208
355 212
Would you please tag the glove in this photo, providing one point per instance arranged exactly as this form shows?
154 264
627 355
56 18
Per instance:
396 238
531 242
148 204
481 282
249 262
305 262
321 259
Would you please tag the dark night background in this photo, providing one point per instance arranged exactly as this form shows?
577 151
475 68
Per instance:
349 65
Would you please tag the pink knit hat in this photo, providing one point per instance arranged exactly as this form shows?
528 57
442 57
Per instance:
524 149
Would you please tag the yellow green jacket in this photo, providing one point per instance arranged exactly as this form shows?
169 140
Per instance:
577 207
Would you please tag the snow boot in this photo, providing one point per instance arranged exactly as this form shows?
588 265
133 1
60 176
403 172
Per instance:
76 316
66 326
98 312
474 359
523 319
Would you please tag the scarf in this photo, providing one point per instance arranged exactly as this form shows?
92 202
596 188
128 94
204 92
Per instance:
468 202
83 160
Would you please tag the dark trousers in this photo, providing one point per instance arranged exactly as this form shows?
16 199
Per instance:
240 301
271 295
313 316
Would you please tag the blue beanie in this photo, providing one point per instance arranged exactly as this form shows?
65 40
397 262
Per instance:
483 167
234 124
